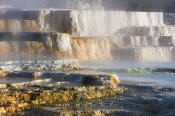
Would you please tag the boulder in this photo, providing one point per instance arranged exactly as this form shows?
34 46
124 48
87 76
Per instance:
100 80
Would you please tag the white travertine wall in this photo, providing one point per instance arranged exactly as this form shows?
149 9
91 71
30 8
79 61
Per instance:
54 20
105 23
136 36
145 54
95 22
57 41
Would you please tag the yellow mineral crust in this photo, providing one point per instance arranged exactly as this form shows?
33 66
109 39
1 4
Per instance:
17 100
88 113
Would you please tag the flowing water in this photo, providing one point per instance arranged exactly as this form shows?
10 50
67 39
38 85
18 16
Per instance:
147 89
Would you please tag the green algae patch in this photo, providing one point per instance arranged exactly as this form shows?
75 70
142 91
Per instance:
17 99
139 70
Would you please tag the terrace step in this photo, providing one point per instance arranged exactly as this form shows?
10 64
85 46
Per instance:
127 41
145 54
147 31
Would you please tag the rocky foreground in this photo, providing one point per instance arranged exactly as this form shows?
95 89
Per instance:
51 83
64 88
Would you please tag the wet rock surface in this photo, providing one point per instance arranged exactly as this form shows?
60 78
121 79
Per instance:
135 101
94 80
19 97
71 90
28 86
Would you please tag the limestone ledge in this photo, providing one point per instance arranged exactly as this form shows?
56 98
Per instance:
30 45
46 89
7 68
75 22
58 61
61 79
52 67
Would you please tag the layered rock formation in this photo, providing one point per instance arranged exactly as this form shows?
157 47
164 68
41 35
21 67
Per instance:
145 54
144 44
52 44
83 22
86 34
29 84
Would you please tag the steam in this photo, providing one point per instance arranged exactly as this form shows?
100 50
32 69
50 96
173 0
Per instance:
85 4
57 4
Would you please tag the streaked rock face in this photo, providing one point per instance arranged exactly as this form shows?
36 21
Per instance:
96 23
105 23
91 49
53 44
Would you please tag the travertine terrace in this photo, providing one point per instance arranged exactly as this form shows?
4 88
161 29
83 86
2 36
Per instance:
41 49
87 34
